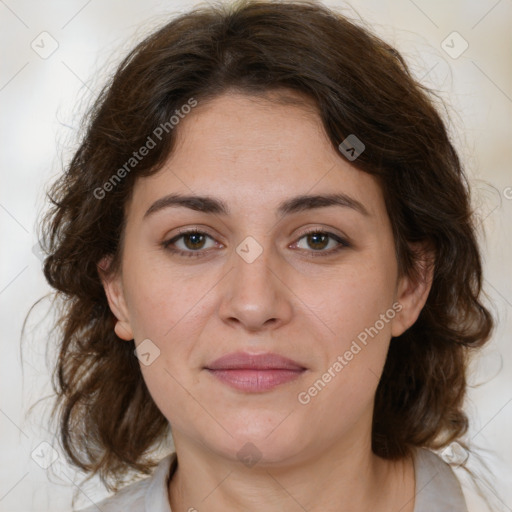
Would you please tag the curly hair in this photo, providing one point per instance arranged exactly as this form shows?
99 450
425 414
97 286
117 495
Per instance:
108 422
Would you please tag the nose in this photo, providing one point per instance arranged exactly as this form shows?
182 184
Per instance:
255 295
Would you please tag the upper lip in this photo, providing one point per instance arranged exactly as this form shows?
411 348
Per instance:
245 361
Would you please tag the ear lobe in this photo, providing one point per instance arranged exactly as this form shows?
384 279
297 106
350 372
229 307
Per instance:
413 291
123 330
113 287
104 264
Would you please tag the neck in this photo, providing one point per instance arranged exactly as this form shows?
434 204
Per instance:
352 478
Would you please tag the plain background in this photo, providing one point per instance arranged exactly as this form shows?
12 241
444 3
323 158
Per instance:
42 98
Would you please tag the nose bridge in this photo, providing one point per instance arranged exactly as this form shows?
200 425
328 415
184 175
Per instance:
253 295
252 261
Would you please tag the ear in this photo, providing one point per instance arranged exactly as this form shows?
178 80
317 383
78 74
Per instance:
113 287
412 292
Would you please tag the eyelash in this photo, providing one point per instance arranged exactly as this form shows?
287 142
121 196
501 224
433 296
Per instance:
200 252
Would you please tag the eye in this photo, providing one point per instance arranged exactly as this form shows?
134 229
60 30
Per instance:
193 243
322 243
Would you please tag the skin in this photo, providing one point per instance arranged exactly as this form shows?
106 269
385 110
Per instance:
253 154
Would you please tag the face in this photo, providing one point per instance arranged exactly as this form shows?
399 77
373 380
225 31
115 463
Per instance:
266 270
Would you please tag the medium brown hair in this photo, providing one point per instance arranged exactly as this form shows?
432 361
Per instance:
360 85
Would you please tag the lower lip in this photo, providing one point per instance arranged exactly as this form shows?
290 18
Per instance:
254 381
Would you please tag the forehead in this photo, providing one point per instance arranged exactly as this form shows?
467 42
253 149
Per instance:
233 125
253 152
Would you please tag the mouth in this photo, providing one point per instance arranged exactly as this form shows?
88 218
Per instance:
255 373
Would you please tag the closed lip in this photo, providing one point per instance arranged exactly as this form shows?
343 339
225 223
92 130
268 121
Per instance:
246 361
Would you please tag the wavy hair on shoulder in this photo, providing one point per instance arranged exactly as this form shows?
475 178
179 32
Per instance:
108 421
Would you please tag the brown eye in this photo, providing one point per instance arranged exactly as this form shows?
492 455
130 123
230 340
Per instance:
189 243
317 241
194 240
321 243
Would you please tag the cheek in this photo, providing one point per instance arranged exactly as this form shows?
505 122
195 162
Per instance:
357 305
171 310
353 299
341 393
172 393
159 300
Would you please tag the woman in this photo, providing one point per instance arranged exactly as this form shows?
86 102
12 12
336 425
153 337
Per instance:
265 247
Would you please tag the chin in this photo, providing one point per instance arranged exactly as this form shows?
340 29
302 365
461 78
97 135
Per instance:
264 442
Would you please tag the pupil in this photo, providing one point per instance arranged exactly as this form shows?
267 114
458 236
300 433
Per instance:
195 238
315 237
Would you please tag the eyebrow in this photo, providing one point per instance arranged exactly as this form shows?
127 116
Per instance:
208 204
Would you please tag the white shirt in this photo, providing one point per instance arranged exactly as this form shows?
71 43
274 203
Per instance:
437 488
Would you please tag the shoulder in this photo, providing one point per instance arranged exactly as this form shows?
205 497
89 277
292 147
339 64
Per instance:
150 493
129 499
437 487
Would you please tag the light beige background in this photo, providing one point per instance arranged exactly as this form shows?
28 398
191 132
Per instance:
42 99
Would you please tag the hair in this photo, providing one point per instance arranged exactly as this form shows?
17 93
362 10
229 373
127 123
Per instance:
108 422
